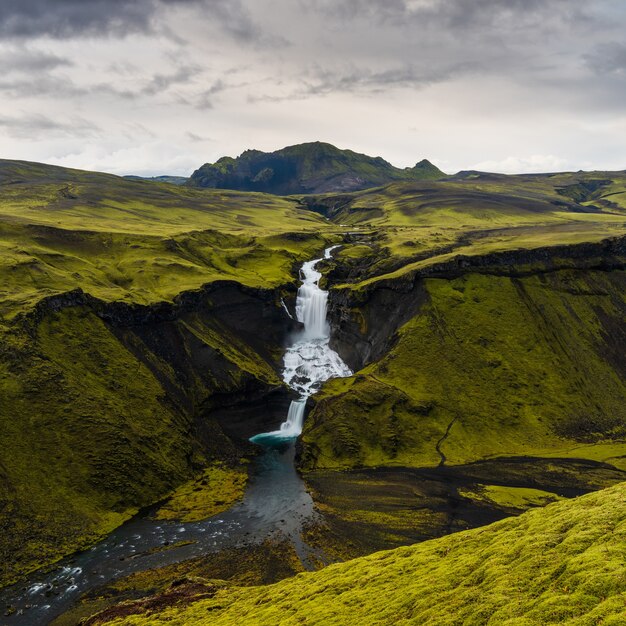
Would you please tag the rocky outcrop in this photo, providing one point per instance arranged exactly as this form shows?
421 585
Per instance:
192 346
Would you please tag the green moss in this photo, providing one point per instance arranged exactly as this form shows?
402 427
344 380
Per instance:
99 423
519 498
88 442
216 490
491 366
560 564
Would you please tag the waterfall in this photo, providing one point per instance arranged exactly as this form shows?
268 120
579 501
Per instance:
309 360
292 426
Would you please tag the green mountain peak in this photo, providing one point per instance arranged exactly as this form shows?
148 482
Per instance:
314 167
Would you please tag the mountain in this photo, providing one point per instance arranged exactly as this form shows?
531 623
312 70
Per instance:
306 168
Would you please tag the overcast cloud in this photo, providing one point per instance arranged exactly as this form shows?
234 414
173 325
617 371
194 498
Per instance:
162 86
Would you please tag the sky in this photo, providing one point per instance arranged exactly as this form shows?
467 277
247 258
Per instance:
155 87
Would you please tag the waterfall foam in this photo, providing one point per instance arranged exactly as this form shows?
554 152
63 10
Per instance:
309 361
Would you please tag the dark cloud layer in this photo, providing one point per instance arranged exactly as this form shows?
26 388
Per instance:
454 14
104 18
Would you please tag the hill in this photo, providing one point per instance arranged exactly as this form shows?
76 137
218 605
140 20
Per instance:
562 564
306 168
102 276
480 315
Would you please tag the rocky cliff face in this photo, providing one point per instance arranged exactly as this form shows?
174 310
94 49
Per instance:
465 366
365 320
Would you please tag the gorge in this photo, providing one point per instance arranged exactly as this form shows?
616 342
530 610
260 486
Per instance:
157 368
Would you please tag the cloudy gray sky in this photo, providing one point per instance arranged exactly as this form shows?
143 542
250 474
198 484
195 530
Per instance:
162 86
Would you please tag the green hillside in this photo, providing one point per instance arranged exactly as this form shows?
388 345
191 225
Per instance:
138 241
93 266
563 564
306 168
485 315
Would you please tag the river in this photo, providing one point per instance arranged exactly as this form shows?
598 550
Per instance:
276 502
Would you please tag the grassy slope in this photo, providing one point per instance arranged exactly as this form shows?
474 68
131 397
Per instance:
563 564
490 367
512 366
503 366
138 241
84 443
414 225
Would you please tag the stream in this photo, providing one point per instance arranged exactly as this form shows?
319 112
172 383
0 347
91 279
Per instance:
276 502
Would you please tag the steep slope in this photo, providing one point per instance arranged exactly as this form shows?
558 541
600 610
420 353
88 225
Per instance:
306 168
126 328
561 564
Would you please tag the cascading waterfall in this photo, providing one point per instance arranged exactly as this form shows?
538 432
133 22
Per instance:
309 361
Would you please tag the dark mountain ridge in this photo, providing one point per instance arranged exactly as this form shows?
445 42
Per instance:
306 168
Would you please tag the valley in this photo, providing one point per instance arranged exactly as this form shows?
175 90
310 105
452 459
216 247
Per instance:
477 323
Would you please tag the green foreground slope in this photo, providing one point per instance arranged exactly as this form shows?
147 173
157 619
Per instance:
564 564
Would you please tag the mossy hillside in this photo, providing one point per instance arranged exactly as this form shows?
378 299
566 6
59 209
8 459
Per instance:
98 421
421 223
489 366
36 193
369 509
38 262
85 443
109 417
562 564
138 241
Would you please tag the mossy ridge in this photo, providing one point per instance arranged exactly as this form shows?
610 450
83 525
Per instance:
36 193
80 431
419 224
560 564
39 262
503 366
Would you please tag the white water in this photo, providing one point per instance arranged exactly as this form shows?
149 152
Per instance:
309 361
